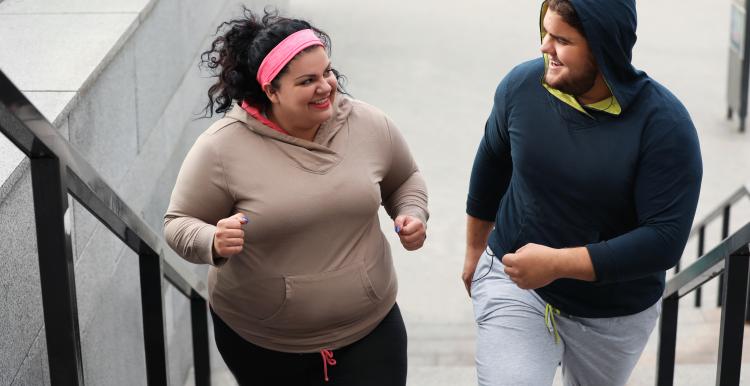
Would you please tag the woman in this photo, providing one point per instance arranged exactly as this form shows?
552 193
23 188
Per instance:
281 197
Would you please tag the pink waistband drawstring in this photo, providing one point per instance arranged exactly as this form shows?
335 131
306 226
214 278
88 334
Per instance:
327 360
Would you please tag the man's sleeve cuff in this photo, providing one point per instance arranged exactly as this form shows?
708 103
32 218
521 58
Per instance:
604 262
475 209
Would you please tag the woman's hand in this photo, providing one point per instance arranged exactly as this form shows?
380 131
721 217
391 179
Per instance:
229 236
411 231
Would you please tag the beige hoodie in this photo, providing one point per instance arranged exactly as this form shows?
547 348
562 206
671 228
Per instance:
316 270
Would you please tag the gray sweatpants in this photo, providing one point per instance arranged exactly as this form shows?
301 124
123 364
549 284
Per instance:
516 344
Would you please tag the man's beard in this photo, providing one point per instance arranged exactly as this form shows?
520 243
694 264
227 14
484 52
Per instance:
580 83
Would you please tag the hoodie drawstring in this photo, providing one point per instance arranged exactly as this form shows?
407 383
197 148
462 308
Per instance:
327 360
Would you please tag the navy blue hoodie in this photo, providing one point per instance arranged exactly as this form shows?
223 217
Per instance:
624 186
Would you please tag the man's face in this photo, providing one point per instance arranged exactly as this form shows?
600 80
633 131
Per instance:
571 68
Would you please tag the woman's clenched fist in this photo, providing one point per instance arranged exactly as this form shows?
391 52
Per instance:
229 236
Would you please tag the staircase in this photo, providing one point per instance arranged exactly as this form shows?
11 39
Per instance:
120 84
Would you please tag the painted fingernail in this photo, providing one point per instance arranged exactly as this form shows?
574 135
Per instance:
244 220
398 229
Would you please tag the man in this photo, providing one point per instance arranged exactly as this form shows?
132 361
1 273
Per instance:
589 171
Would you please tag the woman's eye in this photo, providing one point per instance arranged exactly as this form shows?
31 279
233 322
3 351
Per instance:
327 72
307 81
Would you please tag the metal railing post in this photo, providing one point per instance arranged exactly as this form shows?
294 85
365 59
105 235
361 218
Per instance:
665 356
152 302
56 271
701 250
733 318
199 321
724 235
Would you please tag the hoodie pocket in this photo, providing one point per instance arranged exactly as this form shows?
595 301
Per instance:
325 300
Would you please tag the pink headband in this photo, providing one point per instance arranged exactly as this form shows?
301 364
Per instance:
283 53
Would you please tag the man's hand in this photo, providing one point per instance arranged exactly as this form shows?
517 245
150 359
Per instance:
470 265
411 231
534 266
477 233
229 236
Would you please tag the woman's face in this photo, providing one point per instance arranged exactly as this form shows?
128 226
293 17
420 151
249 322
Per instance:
306 91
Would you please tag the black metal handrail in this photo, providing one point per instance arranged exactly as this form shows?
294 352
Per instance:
729 258
56 170
742 192
722 210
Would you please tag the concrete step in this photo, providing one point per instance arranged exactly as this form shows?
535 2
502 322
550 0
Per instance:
442 354
423 375
221 377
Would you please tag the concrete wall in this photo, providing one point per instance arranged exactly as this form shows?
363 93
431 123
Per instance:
133 119
23 352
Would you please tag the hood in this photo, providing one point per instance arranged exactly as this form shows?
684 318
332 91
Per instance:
609 26
317 156
342 107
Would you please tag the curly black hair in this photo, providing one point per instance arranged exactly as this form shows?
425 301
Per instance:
236 54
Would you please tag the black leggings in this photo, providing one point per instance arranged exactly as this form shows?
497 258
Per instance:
378 359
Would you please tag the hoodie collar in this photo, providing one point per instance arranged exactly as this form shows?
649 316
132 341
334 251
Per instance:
320 155
323 138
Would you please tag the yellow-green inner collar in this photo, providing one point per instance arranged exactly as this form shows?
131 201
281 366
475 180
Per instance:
607 105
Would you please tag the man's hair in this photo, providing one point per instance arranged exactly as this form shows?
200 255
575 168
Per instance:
565 9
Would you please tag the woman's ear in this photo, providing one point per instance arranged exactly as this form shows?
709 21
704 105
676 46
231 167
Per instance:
271 93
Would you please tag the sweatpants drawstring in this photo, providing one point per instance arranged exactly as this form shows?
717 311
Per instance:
549 321
327 360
